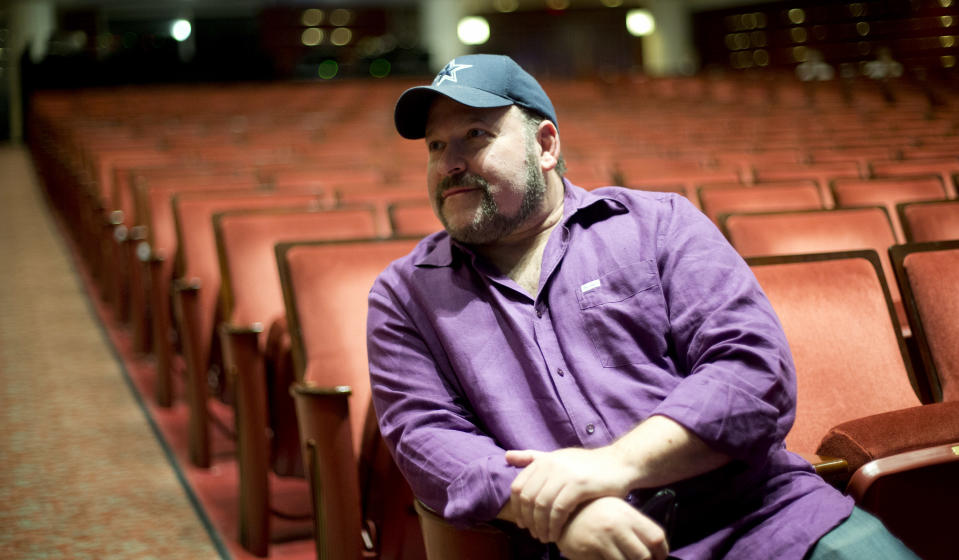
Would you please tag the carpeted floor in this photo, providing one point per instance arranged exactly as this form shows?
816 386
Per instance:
82 473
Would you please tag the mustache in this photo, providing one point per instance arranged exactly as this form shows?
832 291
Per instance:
461 180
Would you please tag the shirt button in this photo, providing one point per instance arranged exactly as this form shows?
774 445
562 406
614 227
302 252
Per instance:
590 428
561 372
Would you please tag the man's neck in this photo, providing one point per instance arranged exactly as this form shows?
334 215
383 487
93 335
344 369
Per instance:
520 255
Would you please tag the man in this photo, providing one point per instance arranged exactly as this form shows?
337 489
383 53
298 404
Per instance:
557 356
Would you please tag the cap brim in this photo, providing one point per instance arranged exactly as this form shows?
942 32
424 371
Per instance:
413 106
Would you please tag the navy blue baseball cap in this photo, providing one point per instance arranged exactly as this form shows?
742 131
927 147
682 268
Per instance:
477 80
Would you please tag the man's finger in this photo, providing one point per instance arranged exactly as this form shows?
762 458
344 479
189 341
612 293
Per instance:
653 537
559 514
543 507
520 457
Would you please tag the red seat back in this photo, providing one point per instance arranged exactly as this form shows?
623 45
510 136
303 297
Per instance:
413 217
817 231
945 167
836 313
731 197
245 242
888 193
936 220
197 259
929 276
326 288
381 197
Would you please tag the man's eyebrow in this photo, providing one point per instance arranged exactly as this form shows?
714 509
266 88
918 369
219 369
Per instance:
473 119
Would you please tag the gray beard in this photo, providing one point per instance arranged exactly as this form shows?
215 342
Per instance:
490 224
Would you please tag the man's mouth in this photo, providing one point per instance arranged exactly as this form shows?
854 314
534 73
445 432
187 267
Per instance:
453 191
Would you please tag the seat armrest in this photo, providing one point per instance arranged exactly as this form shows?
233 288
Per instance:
866 439
900 462
443 539
826 465
186 284
234 330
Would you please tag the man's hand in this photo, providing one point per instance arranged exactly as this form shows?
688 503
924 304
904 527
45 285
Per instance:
553 484
611 529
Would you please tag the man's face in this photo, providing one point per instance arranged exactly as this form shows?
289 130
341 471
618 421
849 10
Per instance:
484 174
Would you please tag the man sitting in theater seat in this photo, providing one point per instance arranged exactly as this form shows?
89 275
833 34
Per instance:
557 358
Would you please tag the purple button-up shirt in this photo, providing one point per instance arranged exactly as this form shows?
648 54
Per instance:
643 309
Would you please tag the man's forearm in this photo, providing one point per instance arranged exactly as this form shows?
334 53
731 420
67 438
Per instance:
660 451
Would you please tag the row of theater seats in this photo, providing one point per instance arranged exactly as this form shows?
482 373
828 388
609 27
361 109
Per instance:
238 234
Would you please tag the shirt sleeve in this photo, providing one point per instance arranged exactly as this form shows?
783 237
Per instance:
739 393
438 443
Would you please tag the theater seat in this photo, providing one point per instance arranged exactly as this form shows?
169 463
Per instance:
945 167
933 220
187 217
728 198
887 192
928 524
855 401
444 540
252 300
413 217
362 504
928 276
816 231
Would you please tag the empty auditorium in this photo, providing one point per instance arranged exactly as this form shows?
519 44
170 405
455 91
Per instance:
349 279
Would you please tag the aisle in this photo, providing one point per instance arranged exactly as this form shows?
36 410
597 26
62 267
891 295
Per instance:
82 474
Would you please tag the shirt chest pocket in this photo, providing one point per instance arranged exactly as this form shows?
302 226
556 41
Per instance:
625 315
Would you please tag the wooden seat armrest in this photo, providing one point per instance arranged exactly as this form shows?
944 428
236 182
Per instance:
442 539
331 467
319 391
900 462
826 466
231 329
186 284
138 233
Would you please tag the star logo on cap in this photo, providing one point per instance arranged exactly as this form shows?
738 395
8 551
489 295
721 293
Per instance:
448 73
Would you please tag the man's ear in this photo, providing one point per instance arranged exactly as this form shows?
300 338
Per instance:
548 139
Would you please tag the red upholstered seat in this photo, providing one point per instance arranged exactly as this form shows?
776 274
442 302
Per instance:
444 540
934 220
726 198
381 197
823 173
413 217
854 398
944 167
356 486
197 286
816 231
928 274
887 192
252 300
835 316
151 249
152 238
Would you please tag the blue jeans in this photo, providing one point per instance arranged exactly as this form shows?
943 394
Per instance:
860 536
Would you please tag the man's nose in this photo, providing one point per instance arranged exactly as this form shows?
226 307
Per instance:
453 161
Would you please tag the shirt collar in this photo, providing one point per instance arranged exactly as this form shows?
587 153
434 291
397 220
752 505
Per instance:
579 205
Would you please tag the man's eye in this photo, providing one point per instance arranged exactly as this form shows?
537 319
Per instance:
434 145
475 133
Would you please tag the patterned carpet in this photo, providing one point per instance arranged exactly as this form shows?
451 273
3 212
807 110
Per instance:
82 473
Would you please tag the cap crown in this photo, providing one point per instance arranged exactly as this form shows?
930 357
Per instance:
478 80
